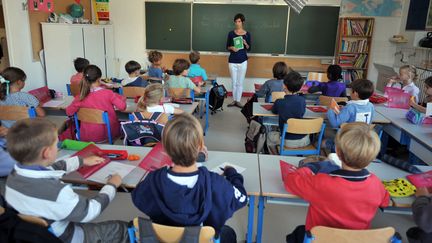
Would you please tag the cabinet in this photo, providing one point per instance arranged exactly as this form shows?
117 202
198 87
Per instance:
65 42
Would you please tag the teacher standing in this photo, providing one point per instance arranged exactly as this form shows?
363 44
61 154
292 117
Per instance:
238 58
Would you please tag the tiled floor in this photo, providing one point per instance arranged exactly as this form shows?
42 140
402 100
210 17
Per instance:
227 133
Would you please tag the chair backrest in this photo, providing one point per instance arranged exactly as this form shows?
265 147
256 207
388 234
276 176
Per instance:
73 89
315 76
15 113
277 95
180 93
326 100
132 92
174 234
90 115
327 234
94 116
304 126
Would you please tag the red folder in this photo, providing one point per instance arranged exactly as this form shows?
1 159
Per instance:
317 108
286 168
90 150
267 107
42 94
155 159
422 179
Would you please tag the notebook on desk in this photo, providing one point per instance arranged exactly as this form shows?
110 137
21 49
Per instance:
155 159
44 96
91 150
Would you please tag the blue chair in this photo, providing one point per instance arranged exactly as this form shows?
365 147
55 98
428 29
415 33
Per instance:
73 89
207 110
15 113
303 126
326 234
166 233
94 116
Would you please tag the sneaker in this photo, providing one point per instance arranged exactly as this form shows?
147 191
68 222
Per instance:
232 104
238 104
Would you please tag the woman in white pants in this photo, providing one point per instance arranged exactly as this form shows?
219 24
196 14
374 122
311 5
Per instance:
238 58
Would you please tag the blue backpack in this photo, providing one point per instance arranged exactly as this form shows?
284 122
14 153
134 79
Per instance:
142 131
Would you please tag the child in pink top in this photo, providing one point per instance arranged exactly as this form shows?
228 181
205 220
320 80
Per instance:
79 64
94 96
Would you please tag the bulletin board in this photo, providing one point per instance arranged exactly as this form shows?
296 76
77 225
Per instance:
36 17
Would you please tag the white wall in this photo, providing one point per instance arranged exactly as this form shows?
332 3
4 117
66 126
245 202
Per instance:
19 43
128 19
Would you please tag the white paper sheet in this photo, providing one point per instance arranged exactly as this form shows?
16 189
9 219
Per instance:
218 169
53 103
111 168
429 109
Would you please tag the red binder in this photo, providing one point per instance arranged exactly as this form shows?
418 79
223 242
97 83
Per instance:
90 150
42 94
267 107
286 168
155 159
422 179
319 109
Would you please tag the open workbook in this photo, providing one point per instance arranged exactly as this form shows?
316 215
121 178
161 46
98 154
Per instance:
131 174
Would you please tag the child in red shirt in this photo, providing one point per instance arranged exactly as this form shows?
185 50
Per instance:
347 198
79 64
95 97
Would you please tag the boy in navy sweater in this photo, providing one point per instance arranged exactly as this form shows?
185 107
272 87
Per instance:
185 194
134 78
292 106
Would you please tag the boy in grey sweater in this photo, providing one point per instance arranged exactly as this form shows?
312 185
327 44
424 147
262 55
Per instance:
422 213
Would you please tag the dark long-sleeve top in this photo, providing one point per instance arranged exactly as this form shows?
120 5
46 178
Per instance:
241 55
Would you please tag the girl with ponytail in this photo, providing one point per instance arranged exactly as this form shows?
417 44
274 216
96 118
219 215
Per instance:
12 81
93 96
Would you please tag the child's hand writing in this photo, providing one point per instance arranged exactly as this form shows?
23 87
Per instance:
115 179
422 191
93 160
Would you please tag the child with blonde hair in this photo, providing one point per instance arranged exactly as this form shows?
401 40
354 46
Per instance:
405 81
152 98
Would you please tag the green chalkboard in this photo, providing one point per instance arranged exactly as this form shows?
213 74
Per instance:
267 25
313 31
168 26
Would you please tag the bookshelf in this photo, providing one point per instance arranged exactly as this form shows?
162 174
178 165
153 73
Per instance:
353 46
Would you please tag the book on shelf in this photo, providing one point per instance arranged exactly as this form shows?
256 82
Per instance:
351 75
357 27
354 46
353 60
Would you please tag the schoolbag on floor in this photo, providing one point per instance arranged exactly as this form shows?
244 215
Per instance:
217 96
255 137
247 109
143 132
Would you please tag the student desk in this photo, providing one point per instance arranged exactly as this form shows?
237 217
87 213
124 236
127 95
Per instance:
131 107
258 110
248 161
418 138
273 190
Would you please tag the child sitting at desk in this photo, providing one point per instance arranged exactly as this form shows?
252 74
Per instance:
359 109
291 106
195 70
185 194
280 70
93 96
347 198
134 78
422 214
428 98
155 70
335 87
151 101
405 81
34 187
179 79
12 81
79 64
